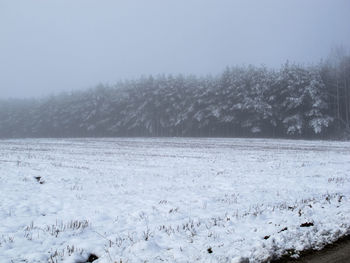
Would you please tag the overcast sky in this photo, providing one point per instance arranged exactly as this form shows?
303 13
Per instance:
49 46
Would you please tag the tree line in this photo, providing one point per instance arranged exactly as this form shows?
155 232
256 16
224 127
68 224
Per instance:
295 101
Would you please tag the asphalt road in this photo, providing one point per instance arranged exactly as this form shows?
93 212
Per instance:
338 252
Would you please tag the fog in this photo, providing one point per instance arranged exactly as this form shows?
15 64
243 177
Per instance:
52 46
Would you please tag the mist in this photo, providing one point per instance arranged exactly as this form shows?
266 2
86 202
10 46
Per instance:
174 131
48 47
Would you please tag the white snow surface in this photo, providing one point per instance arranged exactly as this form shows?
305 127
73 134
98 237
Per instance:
170 199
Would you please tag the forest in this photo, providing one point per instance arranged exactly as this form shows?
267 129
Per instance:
294 101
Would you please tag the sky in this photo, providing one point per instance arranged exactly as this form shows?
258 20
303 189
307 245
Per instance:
53 46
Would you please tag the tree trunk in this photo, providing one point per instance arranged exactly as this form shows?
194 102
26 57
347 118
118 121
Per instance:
338 100
347 104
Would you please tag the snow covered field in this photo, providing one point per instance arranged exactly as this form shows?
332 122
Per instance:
170 200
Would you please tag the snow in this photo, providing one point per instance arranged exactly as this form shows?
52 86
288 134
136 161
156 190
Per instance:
171 199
